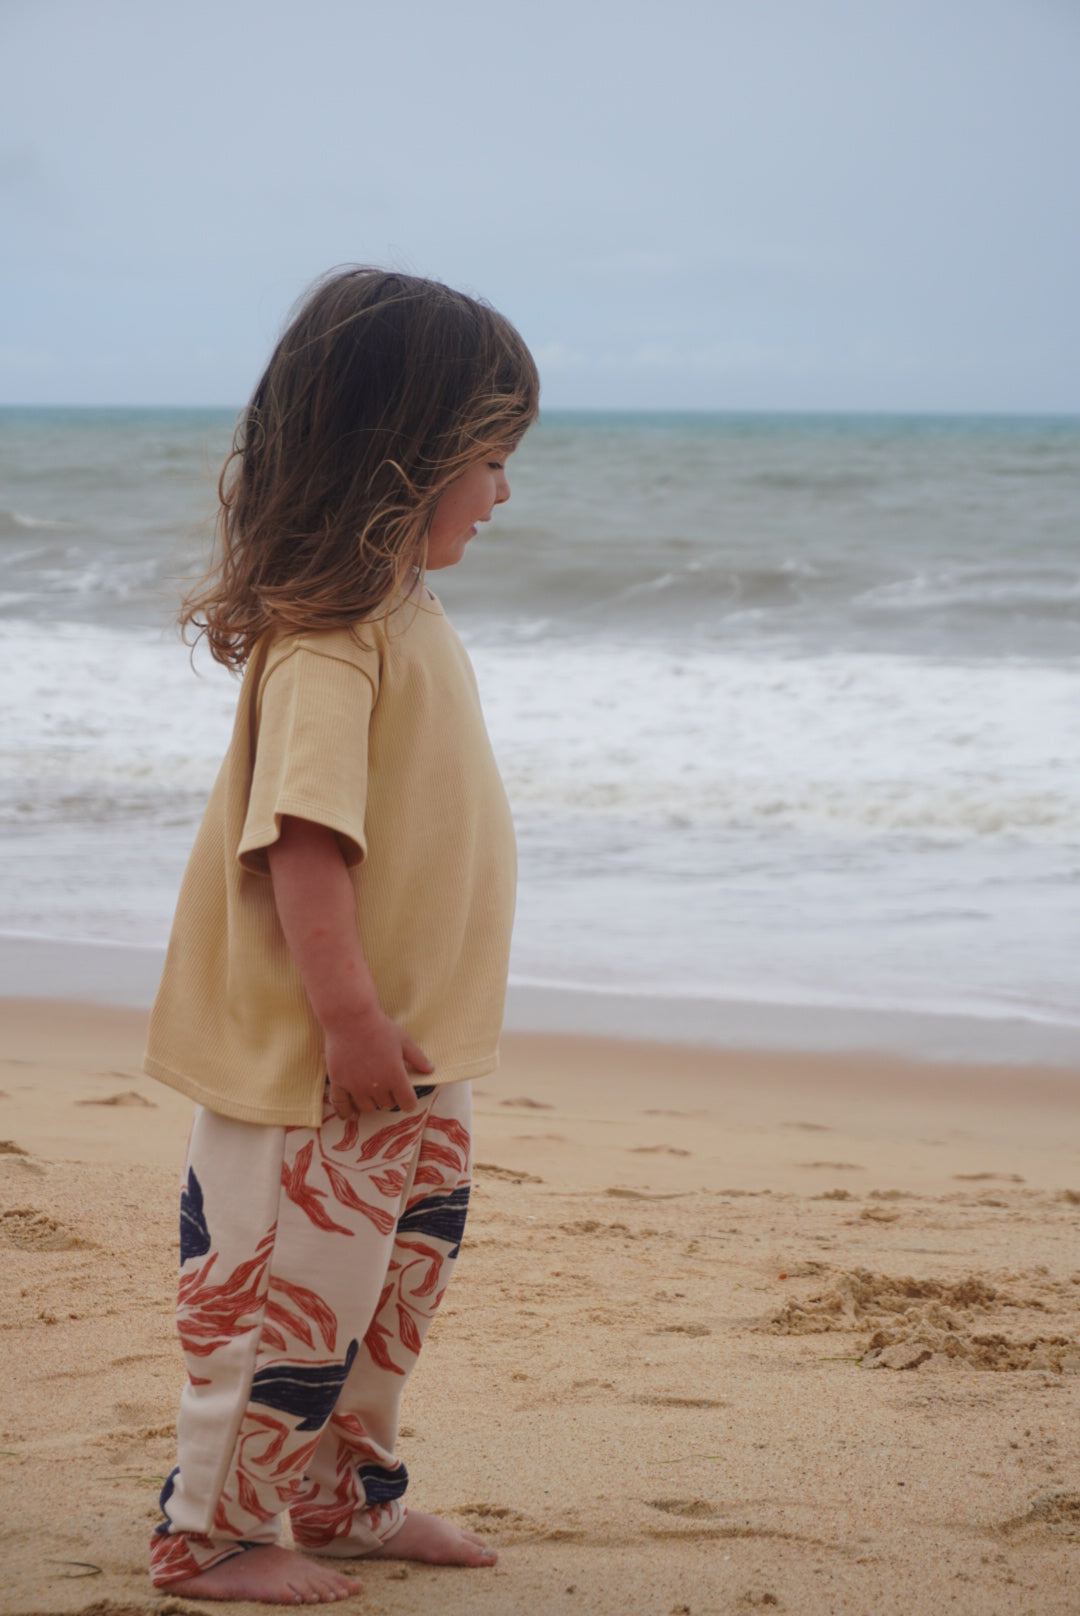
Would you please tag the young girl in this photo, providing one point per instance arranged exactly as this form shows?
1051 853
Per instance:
337 967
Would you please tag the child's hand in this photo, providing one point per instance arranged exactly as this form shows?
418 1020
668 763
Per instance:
368 1061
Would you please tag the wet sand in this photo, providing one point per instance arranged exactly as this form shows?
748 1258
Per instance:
729 1332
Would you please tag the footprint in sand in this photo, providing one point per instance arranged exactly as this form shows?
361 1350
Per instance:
129 1097
835 1167
982 1178
29 1229
691 1509
493 1170
620 1194
656 1113
680 1402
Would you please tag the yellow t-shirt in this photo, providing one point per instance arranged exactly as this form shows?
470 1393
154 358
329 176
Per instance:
381 738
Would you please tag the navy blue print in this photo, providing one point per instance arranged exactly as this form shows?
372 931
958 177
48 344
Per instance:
307 1389
381 1485
194 1234
166 1494
442 1217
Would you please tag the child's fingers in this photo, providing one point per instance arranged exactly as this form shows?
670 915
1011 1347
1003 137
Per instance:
415 1056
342 1101
404 1095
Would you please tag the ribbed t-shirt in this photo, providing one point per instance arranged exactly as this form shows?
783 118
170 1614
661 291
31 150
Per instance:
378 734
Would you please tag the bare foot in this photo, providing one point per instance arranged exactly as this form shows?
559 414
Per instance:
427 1537
273 1576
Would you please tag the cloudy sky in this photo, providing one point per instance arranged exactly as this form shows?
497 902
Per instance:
756 204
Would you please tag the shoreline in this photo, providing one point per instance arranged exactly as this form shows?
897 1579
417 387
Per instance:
125 977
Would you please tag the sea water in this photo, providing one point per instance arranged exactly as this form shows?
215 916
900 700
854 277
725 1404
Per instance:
788 708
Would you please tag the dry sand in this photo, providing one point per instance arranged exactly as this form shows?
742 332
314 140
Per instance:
729 1332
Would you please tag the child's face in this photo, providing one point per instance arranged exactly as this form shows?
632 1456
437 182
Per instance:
469 499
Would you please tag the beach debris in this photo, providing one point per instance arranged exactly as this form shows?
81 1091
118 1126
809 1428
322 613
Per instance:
81 1568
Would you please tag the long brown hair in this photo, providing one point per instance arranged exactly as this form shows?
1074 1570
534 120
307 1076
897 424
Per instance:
382 390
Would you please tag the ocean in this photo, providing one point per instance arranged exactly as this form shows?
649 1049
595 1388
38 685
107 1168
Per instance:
788 708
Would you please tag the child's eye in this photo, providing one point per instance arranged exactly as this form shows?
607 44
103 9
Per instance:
496 465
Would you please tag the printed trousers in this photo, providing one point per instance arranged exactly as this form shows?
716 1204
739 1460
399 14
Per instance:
312 1262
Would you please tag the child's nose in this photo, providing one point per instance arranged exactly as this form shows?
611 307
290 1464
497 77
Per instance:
502 488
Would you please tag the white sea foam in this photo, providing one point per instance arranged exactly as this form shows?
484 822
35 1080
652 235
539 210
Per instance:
847 829
849 745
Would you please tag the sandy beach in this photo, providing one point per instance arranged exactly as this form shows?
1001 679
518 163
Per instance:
730 1332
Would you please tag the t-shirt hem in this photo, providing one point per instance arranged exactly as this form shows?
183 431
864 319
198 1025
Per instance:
259 838
275 1116
279 1116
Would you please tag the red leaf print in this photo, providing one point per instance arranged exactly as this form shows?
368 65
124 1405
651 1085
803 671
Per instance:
292 1322
222 1522
306 1196
296 1460
249 1501
454 1151
375 1342
410 1335
259 1424
435 1262
171 1560
435 1150
391 1142
210 1315
314 1526
272 1338
435 1176
313 1306
383 1219
350 1136
391 1183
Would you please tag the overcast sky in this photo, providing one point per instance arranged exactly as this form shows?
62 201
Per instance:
757 204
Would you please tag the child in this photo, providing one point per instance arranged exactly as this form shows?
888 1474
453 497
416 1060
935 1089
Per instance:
344 922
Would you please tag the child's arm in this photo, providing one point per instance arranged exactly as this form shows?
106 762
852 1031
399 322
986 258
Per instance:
367 1054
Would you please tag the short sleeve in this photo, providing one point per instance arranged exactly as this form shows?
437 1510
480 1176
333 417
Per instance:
310 754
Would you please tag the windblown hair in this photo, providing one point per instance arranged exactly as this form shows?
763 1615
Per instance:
382 390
